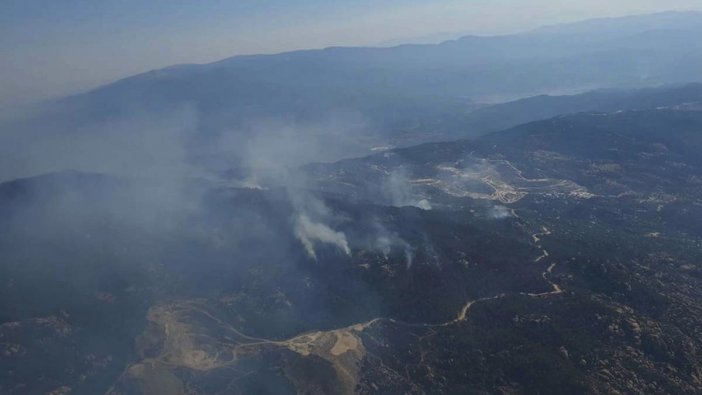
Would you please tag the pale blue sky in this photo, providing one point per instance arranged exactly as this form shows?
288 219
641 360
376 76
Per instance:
55 47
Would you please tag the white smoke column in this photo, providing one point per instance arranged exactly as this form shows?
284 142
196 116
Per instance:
273 149
424 204
409 256
398 189
386 240
384 244
499 212
309 232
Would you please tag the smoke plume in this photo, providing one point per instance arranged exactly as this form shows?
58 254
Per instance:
309 233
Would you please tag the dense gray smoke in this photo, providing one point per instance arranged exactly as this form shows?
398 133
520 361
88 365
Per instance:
398 189
160 166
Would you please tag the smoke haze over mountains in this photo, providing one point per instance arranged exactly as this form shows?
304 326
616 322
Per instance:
514 213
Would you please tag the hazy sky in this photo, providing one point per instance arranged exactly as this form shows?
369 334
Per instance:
54 47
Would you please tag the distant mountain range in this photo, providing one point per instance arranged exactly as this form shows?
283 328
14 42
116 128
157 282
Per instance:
633 51
344 101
